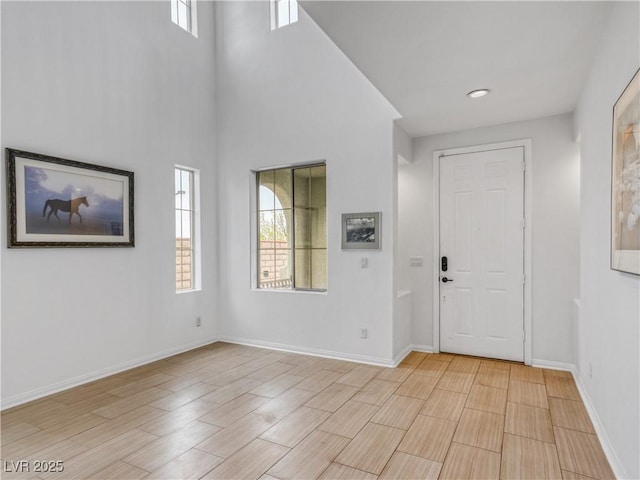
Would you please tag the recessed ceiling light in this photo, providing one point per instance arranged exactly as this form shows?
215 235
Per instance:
478 93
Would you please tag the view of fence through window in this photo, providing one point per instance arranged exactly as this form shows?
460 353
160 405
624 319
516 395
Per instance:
292 228
184 188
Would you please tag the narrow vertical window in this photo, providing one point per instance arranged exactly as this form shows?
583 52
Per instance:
183 14
186 191
292 228
283 12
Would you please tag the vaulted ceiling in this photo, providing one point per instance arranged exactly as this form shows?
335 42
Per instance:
425 56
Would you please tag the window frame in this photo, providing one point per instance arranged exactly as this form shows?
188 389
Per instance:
275 17
192 15
195 249
255 264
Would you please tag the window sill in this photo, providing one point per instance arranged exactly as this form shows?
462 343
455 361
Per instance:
192 290
286 290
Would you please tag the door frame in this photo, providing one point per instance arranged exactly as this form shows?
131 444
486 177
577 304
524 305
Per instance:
528 183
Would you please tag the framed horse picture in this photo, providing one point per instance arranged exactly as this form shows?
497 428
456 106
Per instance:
56 202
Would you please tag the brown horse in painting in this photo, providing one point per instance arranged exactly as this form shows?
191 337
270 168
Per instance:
70 206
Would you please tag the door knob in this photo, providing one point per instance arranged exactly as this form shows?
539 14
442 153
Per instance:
445 280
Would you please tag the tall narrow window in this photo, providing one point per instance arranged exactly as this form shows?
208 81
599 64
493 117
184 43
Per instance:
283 12
186 188
183 14
292 228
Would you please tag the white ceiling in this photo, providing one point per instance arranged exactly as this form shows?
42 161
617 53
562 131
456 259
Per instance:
425 56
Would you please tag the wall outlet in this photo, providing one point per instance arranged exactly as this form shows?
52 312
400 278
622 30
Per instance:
415 261
364 262
363 333
198 321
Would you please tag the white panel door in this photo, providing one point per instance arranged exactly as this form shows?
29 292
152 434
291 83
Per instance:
482 237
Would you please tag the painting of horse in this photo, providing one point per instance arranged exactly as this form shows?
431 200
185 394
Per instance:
70 206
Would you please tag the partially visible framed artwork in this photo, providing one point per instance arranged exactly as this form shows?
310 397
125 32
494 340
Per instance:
55 202
625 180
361 231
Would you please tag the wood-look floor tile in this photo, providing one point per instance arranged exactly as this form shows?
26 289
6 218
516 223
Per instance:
570 414
371 449
285 403
487 399
528 393
556 373
417 386
193 463
319 381
480 429
376 392
222 377
441 357
499 364
225 415
178 399
581 453
62 451
398 412
16 431
111 429
566 475
291 430
310 457
250 462
232 390
359 376
562 387
340 366
99 458
413 359
231 439
25 446
464 365
445 404
398 374
167 422
349 419
278 385
336 471
456 381
138 386
130 403
529 459
333 397
403 466
428 437
271 372
528 421
431 367
119 471
470 463
161 451
492 377
524 373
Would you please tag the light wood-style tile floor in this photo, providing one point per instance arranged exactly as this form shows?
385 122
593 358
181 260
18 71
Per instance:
231 411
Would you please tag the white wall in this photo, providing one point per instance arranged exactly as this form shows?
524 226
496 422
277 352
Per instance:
113 83
610 314
555 227
403 304
285 97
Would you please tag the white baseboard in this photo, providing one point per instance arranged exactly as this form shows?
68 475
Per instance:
567 367
609 451
315 352
607 447
422 348
398 358
98 374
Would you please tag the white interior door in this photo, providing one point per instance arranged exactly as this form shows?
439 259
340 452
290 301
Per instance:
482 238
